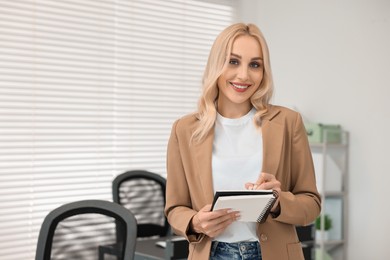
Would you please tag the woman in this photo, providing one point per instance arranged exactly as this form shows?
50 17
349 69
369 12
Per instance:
238 140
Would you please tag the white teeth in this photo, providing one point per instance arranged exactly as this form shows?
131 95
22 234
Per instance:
239 86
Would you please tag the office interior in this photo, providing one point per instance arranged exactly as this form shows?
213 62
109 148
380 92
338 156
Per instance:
330 62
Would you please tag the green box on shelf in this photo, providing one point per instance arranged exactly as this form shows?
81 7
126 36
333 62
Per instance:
316 131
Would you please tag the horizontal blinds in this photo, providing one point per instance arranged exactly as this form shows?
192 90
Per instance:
89 89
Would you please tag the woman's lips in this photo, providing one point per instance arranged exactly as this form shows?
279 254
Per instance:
239 87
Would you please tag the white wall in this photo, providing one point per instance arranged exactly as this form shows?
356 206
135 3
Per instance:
331 60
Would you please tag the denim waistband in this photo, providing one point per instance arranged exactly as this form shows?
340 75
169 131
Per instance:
239 250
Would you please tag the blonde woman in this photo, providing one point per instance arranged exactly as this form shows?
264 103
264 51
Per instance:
238 140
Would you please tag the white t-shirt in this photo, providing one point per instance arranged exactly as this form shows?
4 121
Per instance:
237 159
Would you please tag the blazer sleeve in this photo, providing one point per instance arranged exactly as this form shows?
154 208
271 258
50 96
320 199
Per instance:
178 208
300 202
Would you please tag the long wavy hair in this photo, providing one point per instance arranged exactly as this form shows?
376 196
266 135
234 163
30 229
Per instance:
217 61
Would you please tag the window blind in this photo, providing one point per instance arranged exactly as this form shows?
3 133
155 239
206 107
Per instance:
88 90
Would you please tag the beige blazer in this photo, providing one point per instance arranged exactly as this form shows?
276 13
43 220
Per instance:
286 154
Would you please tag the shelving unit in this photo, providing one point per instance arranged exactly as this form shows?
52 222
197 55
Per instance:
331 166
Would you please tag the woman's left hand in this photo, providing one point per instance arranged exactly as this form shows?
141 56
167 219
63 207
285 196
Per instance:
266 181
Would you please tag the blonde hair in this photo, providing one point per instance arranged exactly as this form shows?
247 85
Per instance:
217 61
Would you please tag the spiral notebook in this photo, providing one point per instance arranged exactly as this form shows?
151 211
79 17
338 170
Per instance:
254 205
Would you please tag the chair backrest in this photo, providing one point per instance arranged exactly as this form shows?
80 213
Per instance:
119 218
143 193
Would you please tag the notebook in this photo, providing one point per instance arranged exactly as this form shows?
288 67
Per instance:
254 205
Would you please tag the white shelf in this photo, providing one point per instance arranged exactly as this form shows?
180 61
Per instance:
330 194
331 166
328 145
331 243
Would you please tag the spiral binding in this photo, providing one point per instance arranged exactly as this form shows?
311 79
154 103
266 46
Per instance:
263 215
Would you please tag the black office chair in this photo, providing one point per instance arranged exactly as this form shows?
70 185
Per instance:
75 231
143 193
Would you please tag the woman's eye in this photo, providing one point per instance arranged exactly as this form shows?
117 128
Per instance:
233 62
255 65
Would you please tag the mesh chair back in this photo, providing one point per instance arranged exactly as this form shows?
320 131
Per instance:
76 230
143 193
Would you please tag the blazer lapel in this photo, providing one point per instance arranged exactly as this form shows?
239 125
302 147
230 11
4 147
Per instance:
203 154
272 133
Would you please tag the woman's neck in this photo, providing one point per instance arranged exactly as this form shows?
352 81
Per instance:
232 111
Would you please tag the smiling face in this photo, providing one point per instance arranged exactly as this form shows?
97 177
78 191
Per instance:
241 78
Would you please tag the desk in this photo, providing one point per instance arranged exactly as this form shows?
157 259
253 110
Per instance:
176 248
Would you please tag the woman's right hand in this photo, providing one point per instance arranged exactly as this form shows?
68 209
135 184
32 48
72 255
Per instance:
213 223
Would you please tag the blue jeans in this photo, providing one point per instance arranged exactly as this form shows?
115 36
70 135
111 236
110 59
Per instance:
235 251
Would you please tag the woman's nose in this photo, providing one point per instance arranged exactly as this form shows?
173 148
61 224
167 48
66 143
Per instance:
242 73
